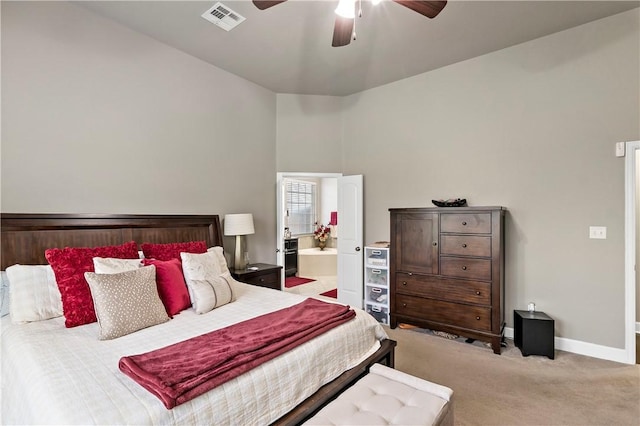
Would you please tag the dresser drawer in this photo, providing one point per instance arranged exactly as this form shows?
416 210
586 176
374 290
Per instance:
462 267
465 245
444 288
466 223
465 316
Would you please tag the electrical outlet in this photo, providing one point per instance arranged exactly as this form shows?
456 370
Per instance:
619 149
598 232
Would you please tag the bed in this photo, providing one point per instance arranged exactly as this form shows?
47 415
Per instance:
57 375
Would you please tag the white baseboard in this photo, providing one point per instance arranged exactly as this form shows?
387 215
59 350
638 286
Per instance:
584 348
508 332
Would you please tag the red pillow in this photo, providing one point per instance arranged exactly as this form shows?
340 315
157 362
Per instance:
69 265
172 250
171 285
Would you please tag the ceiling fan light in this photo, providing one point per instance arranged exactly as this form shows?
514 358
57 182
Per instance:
346 9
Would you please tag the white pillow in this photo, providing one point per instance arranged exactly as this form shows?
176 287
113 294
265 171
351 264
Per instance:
4 294
211 293
209 286
111 265
222 261
34 293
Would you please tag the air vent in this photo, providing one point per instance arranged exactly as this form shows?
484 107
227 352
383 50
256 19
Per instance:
223 17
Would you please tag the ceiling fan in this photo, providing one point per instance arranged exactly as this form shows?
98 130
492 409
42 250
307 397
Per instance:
343 30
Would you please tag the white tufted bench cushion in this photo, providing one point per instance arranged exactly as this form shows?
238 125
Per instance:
389 397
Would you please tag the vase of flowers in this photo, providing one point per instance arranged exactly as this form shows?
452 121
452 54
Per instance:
321 234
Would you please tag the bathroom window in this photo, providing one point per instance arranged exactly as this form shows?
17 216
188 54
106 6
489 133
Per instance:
301 206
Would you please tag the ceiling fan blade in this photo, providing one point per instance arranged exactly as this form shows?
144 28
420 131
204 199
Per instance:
430 9
342 31
266 4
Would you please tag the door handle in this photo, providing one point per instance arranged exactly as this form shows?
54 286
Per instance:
357 248
277 250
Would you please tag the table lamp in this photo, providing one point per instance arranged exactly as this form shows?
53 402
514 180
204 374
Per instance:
240 224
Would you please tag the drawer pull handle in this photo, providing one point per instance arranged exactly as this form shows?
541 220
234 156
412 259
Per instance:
464 268
464 246
464 223
376 271
404 283
261 280
478 318
478 293
410 273
404 305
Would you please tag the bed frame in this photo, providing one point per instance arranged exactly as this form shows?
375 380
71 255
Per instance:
25 237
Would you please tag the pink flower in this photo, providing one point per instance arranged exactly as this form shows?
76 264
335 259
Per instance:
322 233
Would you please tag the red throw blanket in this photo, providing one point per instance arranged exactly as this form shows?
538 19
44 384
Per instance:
182 371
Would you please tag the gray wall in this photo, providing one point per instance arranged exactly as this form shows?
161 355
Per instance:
531 128
100 119
309 133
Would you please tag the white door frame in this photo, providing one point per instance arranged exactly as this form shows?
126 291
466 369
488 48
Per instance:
631 189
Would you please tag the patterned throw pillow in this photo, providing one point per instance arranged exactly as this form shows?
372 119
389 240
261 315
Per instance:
126 302
172 250
209 287
69 265
210 293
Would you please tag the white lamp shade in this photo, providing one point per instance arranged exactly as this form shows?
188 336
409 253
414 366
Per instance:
238 224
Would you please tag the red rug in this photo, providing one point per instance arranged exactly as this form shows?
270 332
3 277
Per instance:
331 293
294 281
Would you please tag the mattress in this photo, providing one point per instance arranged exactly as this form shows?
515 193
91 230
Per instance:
57 375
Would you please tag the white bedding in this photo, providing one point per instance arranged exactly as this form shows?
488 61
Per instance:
57 375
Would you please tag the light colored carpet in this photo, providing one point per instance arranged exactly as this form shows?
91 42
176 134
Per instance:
510 389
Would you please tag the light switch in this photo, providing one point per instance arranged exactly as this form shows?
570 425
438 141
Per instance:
598 232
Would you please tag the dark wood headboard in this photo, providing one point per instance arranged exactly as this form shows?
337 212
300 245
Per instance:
25 237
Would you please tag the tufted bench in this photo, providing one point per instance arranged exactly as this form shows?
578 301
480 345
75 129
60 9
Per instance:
389 397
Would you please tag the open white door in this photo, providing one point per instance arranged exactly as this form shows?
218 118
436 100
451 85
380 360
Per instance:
350 248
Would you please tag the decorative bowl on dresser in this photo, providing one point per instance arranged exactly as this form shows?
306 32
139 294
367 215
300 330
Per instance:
447 270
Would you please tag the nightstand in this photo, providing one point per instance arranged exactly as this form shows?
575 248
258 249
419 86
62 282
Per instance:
533 333
265 276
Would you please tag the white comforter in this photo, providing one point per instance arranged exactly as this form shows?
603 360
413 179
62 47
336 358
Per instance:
55 375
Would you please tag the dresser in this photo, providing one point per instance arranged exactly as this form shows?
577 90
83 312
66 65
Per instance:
447 270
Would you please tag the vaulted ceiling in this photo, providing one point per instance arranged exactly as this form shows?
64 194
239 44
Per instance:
287 48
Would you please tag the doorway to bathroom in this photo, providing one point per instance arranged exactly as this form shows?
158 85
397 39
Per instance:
307 204
310 205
